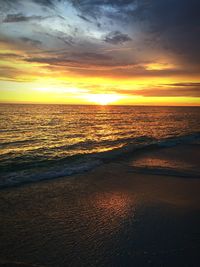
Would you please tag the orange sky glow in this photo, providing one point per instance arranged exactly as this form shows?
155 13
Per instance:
65 54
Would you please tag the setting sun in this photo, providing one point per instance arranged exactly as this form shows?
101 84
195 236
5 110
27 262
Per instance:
103 99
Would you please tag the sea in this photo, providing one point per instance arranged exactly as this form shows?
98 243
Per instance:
39 142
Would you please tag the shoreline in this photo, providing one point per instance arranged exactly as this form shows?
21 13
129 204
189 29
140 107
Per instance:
109 216
84 163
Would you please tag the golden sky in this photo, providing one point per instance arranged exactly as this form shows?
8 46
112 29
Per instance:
104 52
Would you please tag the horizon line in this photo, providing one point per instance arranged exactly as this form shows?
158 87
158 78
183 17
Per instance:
84 104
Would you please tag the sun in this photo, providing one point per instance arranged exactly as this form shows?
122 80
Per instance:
103 99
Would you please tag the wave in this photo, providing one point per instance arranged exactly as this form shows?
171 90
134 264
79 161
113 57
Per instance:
193 138
80 163
18 142
35 175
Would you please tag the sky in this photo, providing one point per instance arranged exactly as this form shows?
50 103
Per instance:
135 52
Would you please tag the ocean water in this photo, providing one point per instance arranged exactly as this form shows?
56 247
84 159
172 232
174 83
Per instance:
48 141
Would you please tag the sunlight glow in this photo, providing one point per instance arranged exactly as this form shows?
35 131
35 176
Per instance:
103 99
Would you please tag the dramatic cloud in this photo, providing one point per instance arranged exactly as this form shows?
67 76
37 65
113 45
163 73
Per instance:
79 60
166 90
46 2
117 38
84 18
96 8
119 43
31 41
174 24
175 92
10 18
10 56
184 84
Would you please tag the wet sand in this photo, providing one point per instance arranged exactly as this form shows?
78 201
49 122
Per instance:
111 216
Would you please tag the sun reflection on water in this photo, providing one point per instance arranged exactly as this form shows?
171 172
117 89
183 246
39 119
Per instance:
114 203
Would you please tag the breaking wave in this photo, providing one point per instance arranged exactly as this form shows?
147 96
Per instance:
45 169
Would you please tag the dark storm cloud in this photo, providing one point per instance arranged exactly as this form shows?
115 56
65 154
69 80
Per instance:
176 25
172 25
117 38
19 17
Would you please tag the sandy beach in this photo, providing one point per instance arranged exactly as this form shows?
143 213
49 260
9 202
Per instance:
114 215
